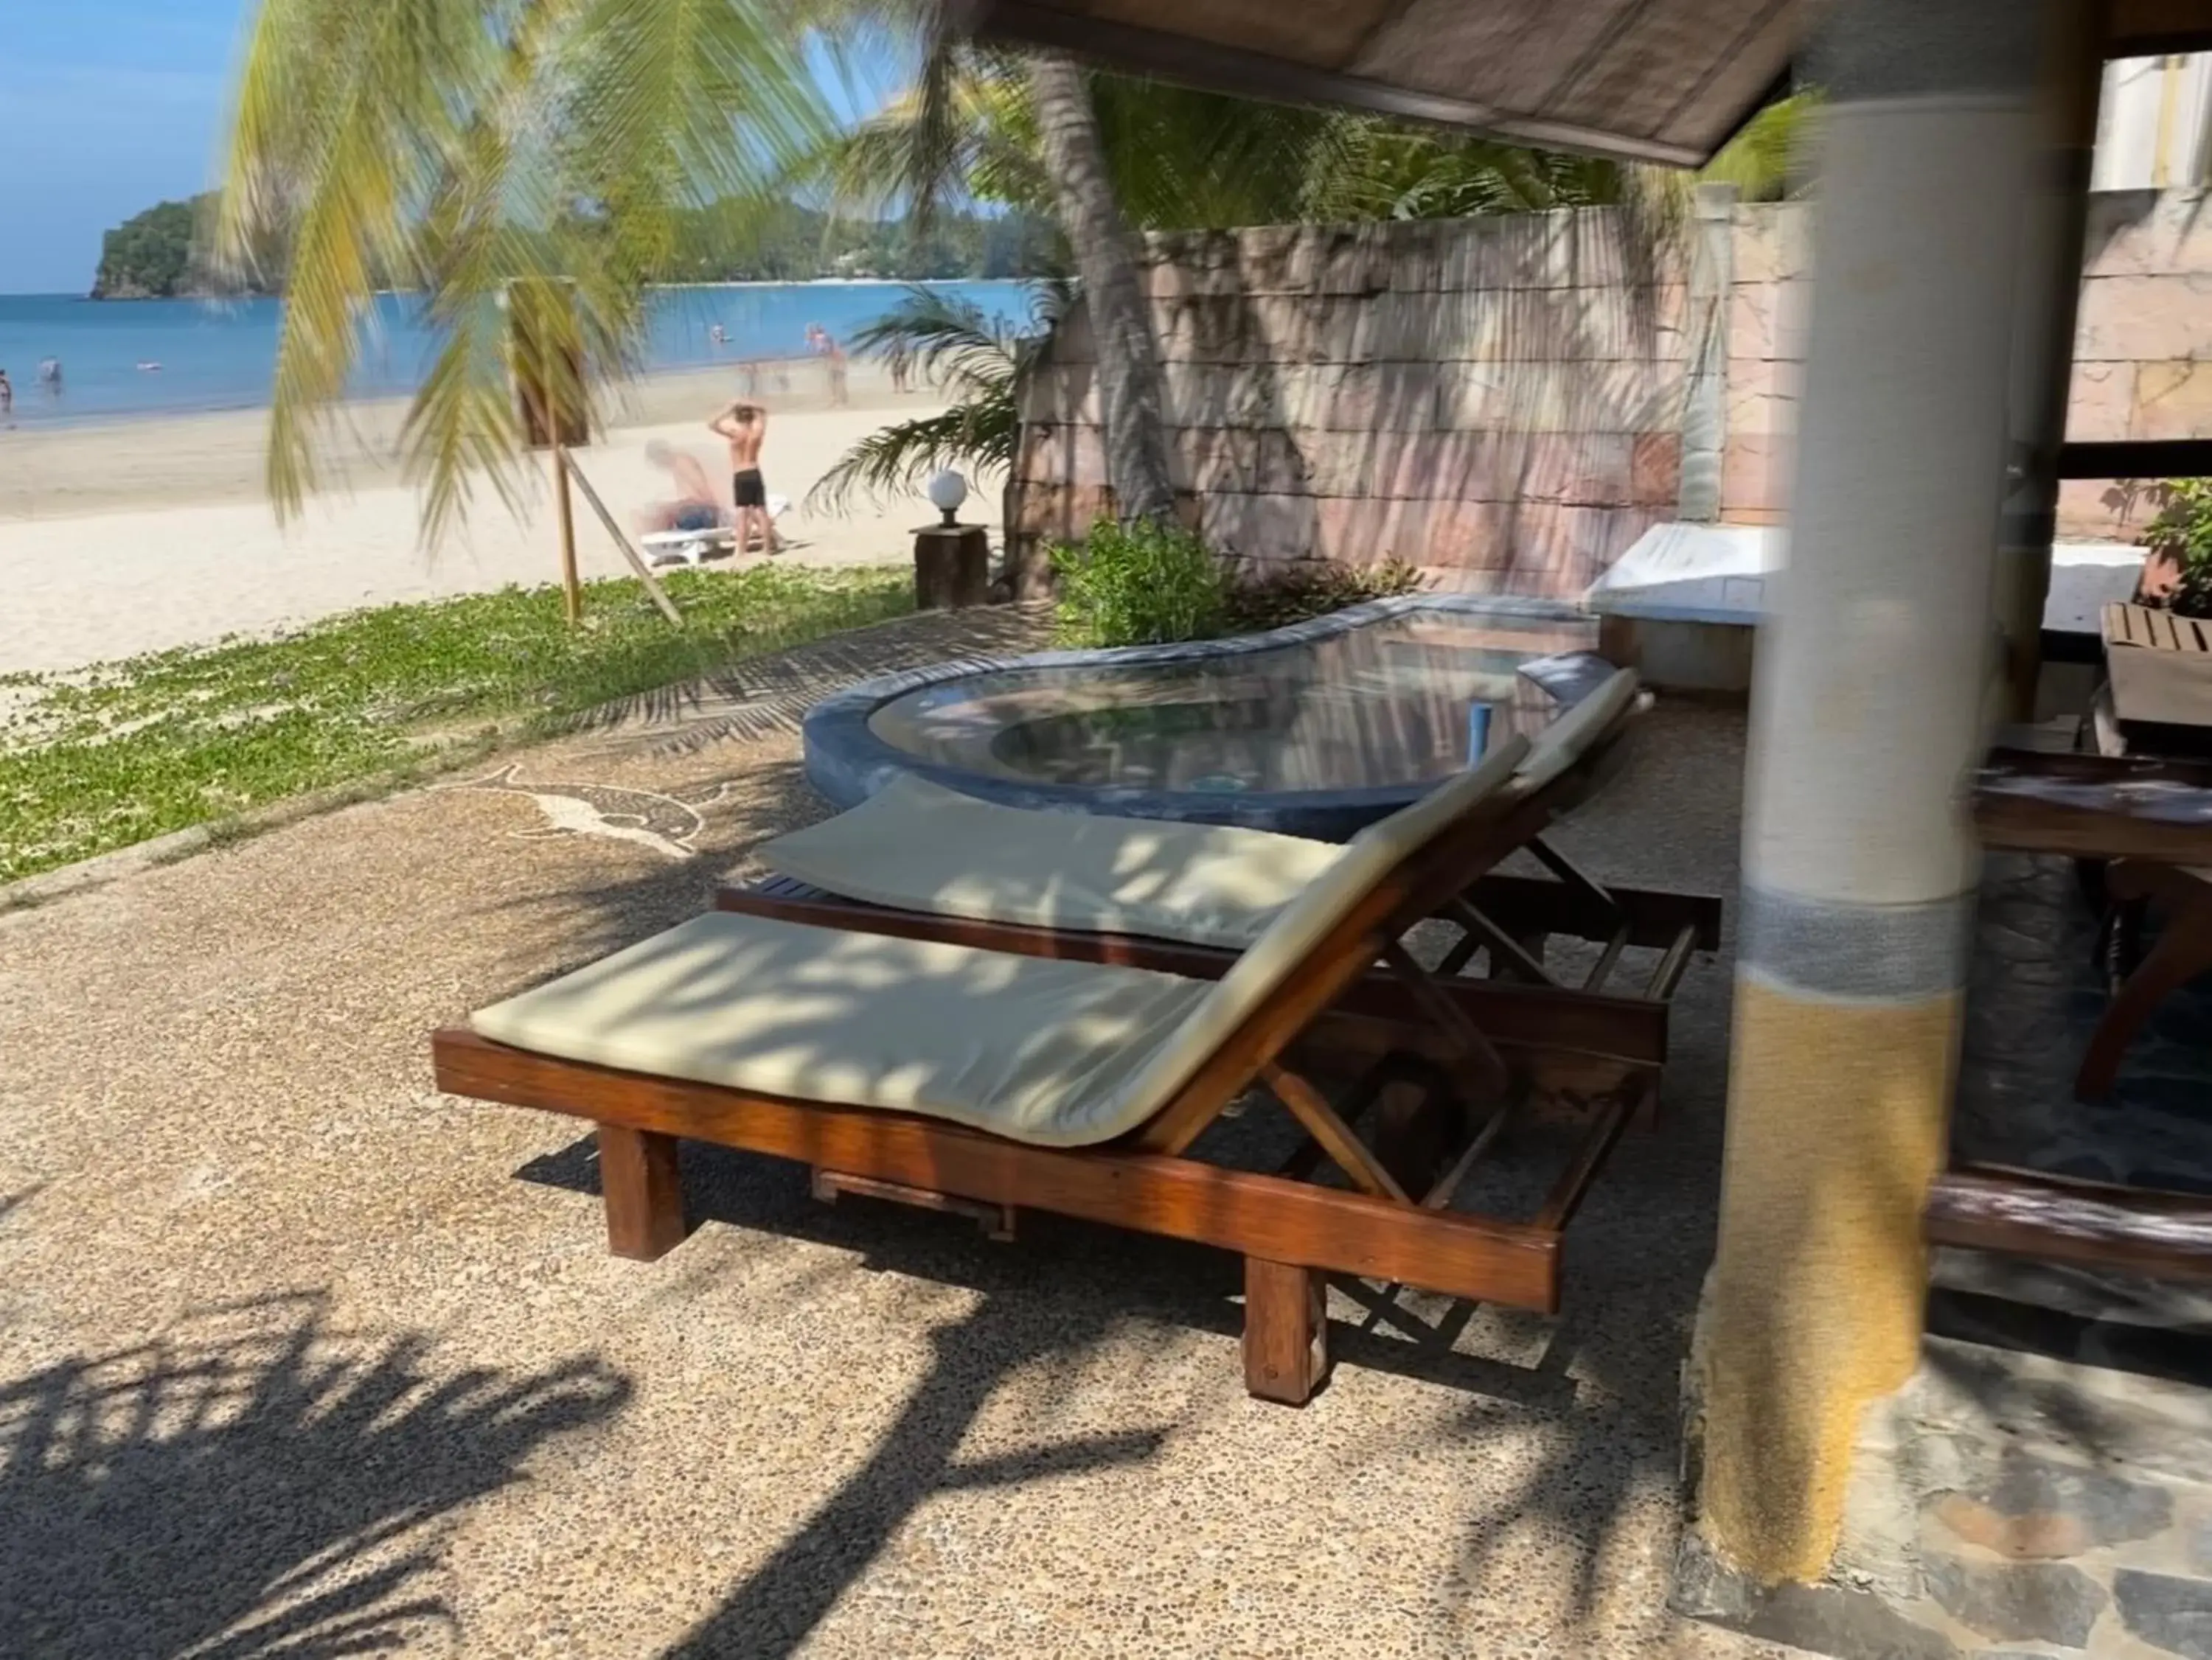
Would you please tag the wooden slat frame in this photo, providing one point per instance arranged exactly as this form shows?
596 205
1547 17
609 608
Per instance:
1259 1215
1142 1181
2092 806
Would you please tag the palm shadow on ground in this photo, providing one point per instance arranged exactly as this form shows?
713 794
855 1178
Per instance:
1592 1393
258 1483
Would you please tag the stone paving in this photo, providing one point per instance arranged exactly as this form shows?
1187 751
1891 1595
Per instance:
298 1356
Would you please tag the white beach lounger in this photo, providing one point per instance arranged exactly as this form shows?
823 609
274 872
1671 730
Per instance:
990 1083
694 547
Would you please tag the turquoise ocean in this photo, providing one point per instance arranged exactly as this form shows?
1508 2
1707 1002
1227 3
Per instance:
218 355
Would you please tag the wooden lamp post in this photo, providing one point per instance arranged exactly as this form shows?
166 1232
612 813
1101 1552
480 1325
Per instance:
951 560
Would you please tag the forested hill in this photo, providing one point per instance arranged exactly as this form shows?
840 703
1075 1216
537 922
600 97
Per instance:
150 257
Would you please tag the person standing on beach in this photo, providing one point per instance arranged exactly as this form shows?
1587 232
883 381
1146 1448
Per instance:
745 425
7 394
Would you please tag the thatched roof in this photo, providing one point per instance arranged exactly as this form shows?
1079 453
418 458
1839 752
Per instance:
1649 80
1644 79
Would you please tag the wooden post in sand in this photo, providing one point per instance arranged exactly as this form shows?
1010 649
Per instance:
545 360
572 587
653 591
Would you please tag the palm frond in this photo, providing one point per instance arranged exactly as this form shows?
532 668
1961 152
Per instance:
459 146
977 436
975 358
1767 156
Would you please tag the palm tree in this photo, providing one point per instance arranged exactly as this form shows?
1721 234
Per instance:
1034 129
468 150
1178 158
1026 129
1130 391
973 359
1170 157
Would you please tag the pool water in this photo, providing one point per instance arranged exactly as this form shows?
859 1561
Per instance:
1406 701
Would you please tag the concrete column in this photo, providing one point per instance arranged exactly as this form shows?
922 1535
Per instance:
1873 676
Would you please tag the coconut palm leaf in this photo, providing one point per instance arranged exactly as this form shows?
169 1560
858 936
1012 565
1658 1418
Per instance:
457 147
1766 157
974 358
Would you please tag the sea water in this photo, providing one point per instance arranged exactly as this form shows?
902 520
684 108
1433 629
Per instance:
217 355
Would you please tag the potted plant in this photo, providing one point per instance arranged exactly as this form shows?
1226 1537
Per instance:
2177 574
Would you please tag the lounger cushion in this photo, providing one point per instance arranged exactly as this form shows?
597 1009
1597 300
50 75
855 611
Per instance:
1053 1052
1301 924
916 845
1040 1051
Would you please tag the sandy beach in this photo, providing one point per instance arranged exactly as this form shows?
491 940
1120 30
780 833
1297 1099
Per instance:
139 534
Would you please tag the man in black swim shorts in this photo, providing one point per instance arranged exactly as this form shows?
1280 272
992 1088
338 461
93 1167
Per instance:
745 425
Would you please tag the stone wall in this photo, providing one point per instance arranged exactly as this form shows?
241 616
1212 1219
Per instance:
1502 400
1494 400
2142 354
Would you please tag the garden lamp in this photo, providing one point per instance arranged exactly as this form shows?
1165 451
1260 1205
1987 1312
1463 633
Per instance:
947 490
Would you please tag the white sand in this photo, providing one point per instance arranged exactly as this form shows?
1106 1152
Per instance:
146 534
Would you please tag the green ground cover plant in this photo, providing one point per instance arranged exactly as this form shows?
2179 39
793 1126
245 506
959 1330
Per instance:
1151 585
107 756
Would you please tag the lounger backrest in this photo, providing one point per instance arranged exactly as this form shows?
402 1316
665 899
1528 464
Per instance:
1372 856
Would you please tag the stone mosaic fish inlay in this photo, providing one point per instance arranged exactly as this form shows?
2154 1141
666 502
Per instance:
665 824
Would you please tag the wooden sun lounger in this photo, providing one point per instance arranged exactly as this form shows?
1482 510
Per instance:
1569 1047
1392 1221
1578 1046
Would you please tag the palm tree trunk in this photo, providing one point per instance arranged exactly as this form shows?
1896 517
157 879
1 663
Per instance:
1128 359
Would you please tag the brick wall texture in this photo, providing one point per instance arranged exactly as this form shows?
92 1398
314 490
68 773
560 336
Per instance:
1500 401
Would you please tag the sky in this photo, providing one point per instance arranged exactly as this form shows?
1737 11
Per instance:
107 107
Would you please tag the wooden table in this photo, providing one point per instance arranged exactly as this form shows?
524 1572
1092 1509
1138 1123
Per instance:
2152 818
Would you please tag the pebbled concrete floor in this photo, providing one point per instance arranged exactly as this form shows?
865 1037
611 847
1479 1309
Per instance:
299 1357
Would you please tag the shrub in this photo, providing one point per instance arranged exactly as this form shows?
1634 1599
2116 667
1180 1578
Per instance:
1146 584
1276 597
1140 585
2182 533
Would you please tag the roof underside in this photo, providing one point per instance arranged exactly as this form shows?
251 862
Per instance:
1643 80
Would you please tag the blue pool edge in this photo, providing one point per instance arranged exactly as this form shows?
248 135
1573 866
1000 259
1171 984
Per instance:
848 762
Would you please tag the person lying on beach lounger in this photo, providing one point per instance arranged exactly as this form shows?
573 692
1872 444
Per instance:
694 506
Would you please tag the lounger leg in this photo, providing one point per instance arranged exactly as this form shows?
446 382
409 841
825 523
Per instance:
644 1196
1285 1331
